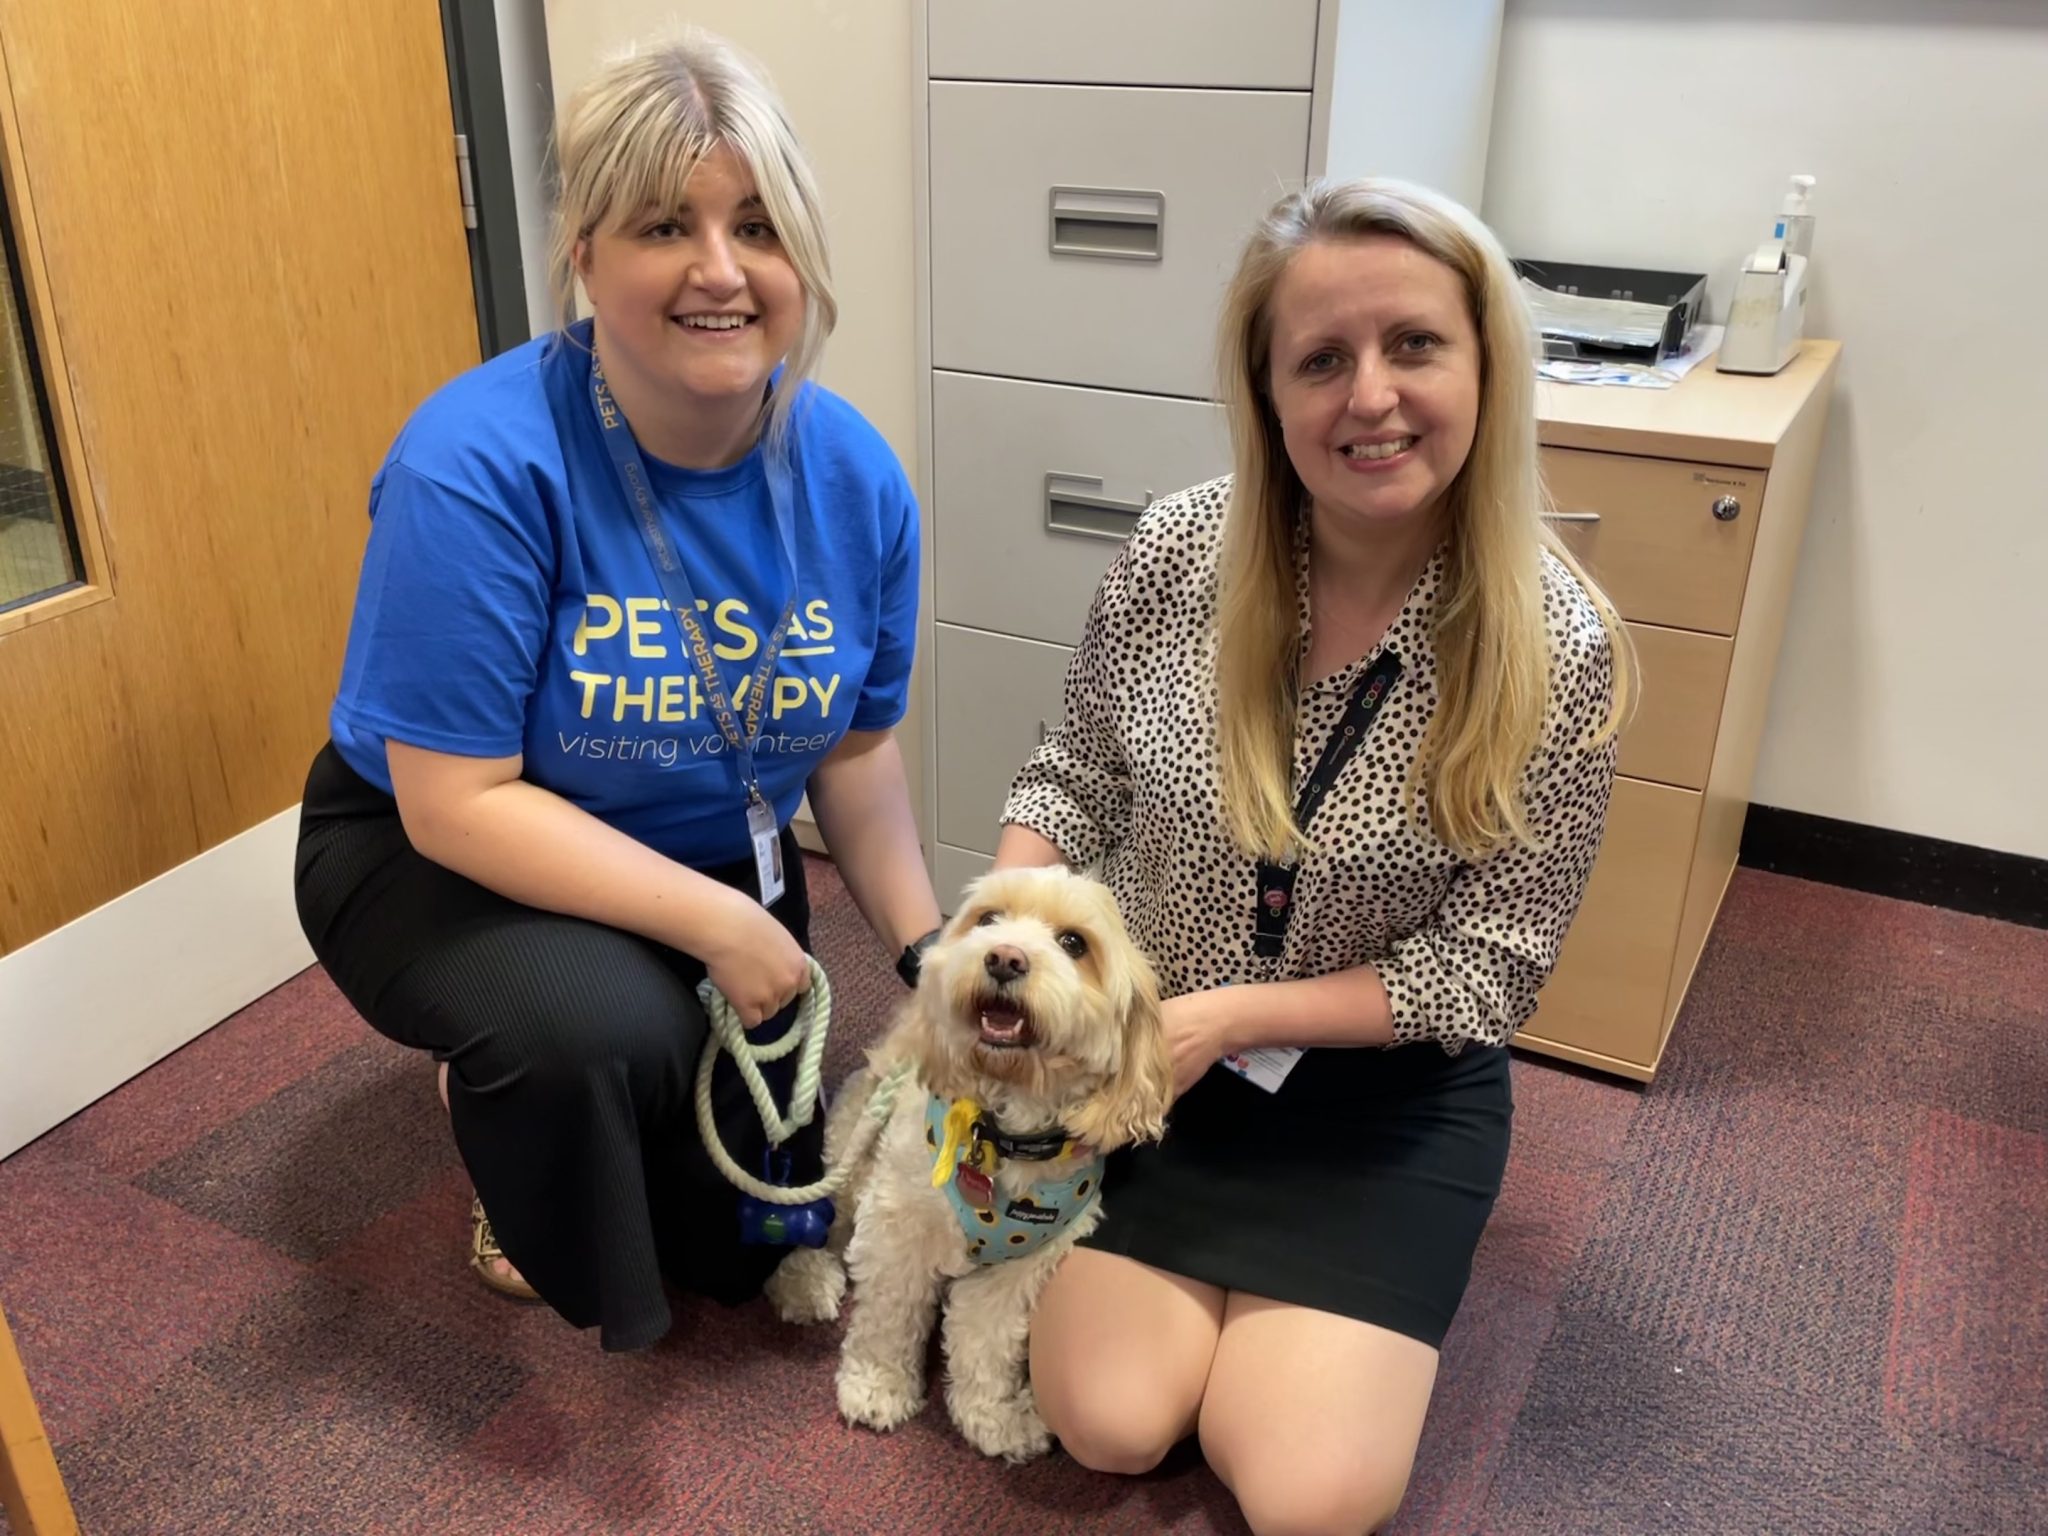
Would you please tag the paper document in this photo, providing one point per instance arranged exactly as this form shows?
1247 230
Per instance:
1699 346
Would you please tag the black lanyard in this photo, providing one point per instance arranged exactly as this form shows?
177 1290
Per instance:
1276 881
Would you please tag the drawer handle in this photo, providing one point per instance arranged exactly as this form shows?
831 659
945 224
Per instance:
1571 517
1726 509
1102 221
1089 517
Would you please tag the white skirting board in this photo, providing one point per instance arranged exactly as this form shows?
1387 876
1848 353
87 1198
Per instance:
808 837
87 1007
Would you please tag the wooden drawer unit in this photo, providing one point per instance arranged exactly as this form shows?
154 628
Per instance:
1609 988
1669 541
1671 738
1636 475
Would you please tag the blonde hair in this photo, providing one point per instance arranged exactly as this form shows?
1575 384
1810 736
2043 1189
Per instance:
629 140
1492 656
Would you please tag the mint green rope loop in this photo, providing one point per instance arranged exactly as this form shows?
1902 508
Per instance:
807 1035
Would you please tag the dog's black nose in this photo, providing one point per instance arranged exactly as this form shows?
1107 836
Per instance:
1006 962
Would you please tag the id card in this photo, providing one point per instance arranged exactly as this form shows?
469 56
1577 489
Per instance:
767 839
1266 1066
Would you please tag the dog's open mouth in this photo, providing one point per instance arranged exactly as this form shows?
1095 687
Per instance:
1005 1027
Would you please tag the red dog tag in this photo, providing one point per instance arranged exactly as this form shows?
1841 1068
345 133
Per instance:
977 1186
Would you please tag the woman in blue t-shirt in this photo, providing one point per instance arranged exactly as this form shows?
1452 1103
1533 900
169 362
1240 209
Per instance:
630 591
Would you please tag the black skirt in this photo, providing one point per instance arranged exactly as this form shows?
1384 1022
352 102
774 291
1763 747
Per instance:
573 1051
1359 1188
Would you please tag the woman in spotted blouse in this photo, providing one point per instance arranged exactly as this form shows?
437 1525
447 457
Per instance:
1346 943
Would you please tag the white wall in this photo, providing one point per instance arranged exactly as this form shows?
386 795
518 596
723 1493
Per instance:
1428 120
844 74
1660 132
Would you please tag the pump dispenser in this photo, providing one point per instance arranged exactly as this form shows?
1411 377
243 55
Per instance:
1767 314
1795 217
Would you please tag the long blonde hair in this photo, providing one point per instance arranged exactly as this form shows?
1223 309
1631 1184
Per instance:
628 140
1492 657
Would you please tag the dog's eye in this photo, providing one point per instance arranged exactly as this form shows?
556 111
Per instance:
1073 944
987 918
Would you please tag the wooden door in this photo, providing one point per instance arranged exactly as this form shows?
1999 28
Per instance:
241 248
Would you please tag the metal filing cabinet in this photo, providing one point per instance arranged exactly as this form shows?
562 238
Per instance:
1089 170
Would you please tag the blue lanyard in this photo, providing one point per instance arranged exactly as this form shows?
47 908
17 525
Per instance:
675 582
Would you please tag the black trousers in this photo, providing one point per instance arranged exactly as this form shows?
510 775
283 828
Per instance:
572 1051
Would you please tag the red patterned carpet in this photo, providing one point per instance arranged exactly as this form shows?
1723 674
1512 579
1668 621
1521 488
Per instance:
1798 1285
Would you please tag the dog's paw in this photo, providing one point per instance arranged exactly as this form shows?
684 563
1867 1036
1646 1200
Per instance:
807 1287
1009 1428
879 1396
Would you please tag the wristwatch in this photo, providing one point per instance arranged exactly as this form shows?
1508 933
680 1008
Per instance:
910 964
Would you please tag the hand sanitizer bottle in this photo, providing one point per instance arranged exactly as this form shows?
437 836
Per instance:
1795 218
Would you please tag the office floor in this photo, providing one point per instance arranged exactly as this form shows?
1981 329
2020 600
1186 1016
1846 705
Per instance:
1799 1284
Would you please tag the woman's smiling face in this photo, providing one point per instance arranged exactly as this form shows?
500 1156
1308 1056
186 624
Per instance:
1374 372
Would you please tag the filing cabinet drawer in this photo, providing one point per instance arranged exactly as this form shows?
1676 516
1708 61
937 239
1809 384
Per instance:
994 696
1671 738
1126 42
1035 487
1084 234
1649 532
1608 992
953 870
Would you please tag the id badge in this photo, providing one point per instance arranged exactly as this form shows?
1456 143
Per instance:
767 838
1266 1067
1275 909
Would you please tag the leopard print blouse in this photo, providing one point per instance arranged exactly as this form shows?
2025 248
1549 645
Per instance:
1128 786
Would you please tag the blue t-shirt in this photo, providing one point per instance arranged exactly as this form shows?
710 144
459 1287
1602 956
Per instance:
508 604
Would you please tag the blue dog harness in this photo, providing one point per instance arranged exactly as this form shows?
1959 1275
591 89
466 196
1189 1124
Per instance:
966 1151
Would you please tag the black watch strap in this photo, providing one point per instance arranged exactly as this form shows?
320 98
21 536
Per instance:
910 964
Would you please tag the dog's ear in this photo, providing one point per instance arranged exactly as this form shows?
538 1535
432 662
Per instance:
1132 1105
914 1037
908 1037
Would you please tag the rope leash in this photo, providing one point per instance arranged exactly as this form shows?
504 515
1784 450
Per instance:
806 1035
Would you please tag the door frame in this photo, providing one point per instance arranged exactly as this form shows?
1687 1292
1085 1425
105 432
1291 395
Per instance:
476 89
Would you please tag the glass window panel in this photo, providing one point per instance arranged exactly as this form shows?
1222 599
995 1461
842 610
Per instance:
38 544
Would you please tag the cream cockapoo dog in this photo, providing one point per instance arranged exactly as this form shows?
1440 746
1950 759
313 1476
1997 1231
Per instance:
1035 1041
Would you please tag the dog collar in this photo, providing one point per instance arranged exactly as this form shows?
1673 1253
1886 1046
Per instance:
965 1156
963 1133
1045 1147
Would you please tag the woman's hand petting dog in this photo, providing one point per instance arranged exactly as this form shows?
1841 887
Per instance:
1197 1035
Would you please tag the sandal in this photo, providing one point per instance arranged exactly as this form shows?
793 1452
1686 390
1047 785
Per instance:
485 1255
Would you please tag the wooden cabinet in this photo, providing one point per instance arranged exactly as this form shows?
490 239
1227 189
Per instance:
1688 505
